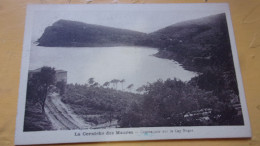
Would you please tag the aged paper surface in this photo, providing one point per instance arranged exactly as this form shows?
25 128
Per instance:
245 22
95 73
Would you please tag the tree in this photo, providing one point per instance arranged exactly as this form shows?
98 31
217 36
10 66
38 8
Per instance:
39 83
140 89
95 84
129 87
115 82
122 83
91 81
166 102
132 117
106 84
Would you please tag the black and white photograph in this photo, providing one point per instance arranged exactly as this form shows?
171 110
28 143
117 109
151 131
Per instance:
130 70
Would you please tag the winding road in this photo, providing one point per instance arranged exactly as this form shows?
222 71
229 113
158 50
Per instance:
61 116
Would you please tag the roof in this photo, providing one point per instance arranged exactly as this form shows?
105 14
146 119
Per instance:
61 71
39 69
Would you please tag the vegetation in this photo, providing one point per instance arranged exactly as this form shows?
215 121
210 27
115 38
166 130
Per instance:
162 103
175 103
200 45
98 104
38 85
203 46
34 119
37 90
66 33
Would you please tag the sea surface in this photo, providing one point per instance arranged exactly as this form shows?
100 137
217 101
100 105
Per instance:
136 65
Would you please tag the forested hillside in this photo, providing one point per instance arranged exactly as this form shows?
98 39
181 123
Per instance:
66 33
163 103
98 104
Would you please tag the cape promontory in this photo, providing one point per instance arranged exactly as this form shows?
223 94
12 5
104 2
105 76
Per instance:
67 33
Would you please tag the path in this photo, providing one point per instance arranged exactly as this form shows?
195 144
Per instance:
61 116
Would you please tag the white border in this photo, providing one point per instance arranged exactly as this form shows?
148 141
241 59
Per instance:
67 136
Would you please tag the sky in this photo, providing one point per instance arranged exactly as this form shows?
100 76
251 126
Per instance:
143 20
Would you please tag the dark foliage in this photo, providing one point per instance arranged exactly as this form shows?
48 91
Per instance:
202 46
37 90
97 104
38 84
175 103
35 120
65 33
164 103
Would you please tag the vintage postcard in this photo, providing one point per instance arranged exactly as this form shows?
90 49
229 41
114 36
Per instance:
124 72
